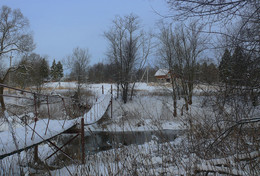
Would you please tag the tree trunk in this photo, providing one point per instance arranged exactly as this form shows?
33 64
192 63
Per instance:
132 91
117 95
186 103
175 107
185 94
125 90
174 96
190 93
190 99
124 95
79 92
254 98
2 98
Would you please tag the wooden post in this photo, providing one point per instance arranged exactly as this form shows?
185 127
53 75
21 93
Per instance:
111 108
102 89
82 142
9 78
111 101
95 117
36 115
49 115
36 158
117 95
94 112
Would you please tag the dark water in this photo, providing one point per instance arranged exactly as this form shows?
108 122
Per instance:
101 141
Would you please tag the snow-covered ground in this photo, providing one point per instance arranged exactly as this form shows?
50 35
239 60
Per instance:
142 113
150 110
143 159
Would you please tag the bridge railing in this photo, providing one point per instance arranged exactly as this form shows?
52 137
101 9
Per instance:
41 99
100 105
37 99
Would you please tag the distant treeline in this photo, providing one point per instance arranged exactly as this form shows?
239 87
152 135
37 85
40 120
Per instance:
100 73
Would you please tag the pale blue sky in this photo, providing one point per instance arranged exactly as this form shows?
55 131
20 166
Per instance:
58 26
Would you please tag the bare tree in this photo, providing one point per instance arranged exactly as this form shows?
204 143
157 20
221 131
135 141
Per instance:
180 50
215 9
230 130
192 44
14 37
78 62
245 34
127 47
246 14
37 69
168 55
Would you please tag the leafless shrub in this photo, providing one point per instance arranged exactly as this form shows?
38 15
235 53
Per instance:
227 128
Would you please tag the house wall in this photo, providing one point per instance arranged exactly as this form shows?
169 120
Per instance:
163 79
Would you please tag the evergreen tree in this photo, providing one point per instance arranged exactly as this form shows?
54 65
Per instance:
54 75
239 66
225 67
212 73
208 73
204 72
59 69
234 69
44 69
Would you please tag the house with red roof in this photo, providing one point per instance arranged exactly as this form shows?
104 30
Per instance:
163 75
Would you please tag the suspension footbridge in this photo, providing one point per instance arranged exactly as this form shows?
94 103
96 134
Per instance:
18 139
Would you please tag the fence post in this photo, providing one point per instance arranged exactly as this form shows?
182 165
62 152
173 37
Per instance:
36 158
102 89
82 142
94 112
49 115
111 101
65 111
36 115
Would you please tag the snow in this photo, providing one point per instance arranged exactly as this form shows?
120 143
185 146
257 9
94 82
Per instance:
22 137
161 72
143 159
97 88
97 110
146 112
60 85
